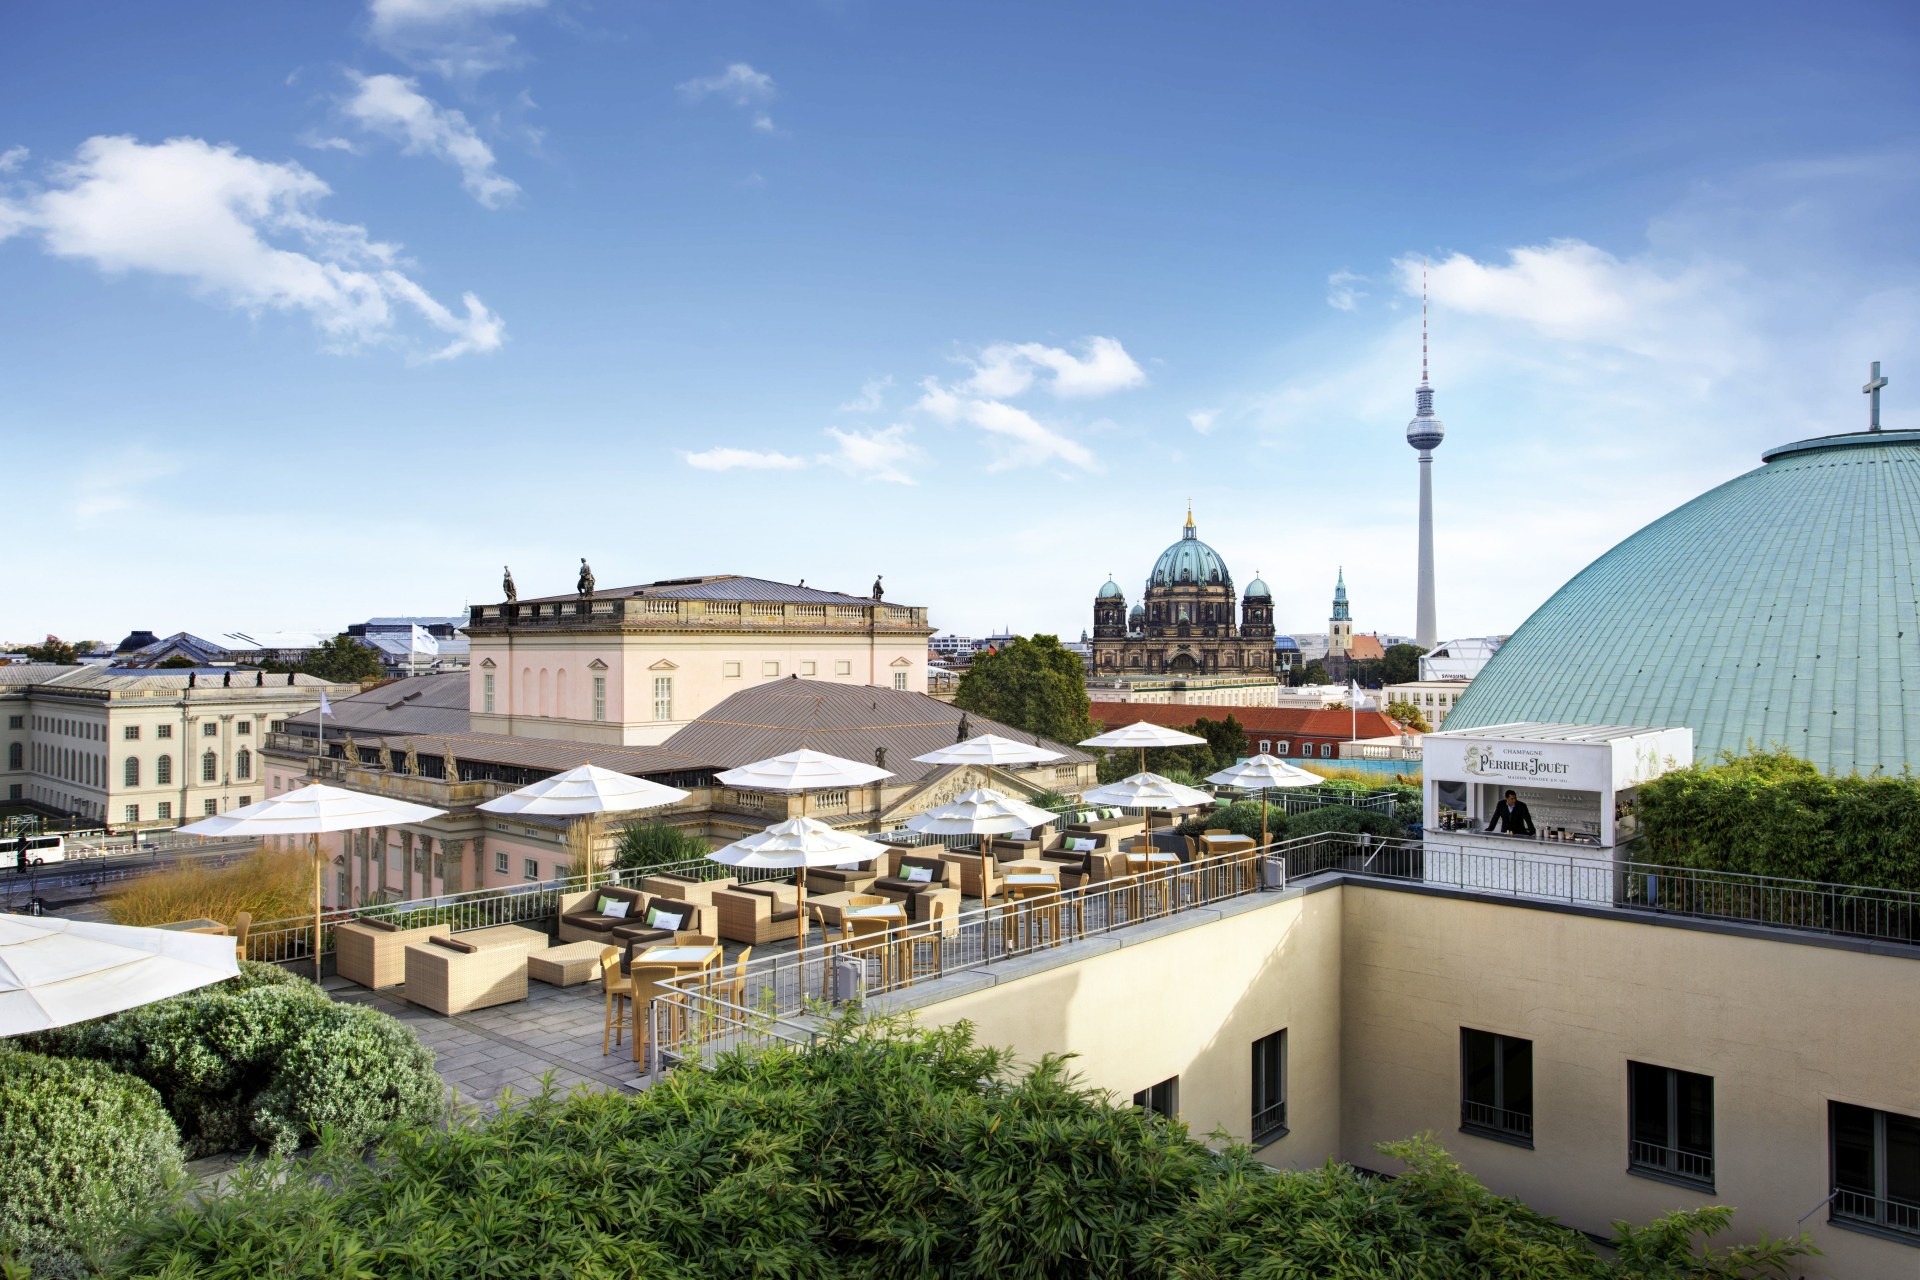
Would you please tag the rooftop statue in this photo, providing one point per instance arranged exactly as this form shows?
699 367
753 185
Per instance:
878 593
506 584
585 585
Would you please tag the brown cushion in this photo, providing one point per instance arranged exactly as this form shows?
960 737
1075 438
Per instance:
384 926
791 914
765 891
585 920
642 934
454 944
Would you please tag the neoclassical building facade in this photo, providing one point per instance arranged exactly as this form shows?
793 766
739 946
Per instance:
1188 625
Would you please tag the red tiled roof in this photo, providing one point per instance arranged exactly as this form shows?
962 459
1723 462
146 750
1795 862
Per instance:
1297 722
1367 649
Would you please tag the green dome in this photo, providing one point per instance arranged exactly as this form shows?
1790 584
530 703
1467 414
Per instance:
1190 562
1112 591
1257 590
1773 609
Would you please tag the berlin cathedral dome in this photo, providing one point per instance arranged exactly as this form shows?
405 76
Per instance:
1189 624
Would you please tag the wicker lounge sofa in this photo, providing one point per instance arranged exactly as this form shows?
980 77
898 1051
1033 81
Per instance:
685 888
917 873
449 976
581 920
372 952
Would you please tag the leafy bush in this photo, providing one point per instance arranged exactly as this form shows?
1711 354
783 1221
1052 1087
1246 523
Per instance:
82 1148
1242 817
883 1153
1341 818
265 1060
1771 813
646 845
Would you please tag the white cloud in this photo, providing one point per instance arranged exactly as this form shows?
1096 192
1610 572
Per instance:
872 392
739 85
12 158
1341 294
455 38
1022 439
1202 420
725 459
1007 369
876 455
394 107
118 482
242 232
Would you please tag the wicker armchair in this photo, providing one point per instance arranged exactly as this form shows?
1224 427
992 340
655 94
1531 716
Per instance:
449 976
758 913
684 888
373 953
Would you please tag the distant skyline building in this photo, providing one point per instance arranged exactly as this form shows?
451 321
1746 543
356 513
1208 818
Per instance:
1425 433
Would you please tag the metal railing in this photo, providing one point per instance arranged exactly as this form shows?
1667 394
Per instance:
1882 1212
1269 1122
1672 1162
1496 1120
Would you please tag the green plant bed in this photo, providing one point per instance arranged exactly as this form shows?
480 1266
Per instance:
264 1060
83 1148
646 845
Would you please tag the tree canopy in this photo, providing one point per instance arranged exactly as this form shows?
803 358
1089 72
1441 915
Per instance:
1409 715
1402 664
343 660
1033 683
53 649
1226 743
884 1152
1315 672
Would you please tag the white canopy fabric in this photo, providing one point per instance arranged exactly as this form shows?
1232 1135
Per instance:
796 843
1263 771
1148 791
55 971
802 770
981 813
586 790
312 810
989 749
1141 734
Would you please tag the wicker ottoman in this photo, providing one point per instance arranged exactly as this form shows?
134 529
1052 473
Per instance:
567 965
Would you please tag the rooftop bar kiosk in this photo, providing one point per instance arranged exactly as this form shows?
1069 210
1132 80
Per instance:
1577 782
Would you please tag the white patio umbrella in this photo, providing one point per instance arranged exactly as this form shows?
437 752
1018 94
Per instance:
1147 791
989 749
799 843
55 971
984 812
585 792
1142 735
803 770
312 811
1263 771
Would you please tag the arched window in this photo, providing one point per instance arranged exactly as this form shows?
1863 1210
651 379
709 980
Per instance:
560 692
546 707
16 758
209 767
243 764
133 771
524 703
163 771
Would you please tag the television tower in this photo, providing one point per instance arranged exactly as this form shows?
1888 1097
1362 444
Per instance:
1425 433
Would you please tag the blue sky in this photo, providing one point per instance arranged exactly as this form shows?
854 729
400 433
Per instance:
322 311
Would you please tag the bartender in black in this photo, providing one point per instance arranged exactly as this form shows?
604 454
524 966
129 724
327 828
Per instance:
1512 817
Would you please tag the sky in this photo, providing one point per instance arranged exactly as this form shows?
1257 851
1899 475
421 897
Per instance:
315 312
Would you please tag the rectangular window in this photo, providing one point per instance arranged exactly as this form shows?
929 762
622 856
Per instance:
500 861
131 733
844 667
163 731
1496 1086
1670 1124
730 670
166 811
531 868
486 693
1283 748
599 697
1270 1087
209 767
243 726
16 722
209 729
133 813
245 801
1875 1170
1161 1099
807 668
663 697
1265 746
210 808
900 681
769 668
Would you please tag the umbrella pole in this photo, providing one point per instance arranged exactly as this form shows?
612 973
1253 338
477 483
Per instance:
315 837
1263 817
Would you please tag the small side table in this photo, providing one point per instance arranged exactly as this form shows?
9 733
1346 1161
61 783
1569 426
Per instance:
568 965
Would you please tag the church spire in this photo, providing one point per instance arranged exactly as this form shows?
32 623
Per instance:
1189 531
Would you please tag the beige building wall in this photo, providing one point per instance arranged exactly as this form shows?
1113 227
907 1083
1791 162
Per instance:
1374 985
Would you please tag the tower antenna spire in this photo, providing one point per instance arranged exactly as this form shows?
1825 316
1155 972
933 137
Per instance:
1423 322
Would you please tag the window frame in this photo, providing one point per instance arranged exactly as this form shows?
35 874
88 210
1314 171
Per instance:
131 812
599 699
1487 1121
529 868
1671 1161
502 862
165 813
130 733
209 766
663 698
1268 1094
130 772
900 682
1908 1232
1162 1099
163 771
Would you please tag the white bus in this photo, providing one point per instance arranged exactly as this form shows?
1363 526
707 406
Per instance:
17 853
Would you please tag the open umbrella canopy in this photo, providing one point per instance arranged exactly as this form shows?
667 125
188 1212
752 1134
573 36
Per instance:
54 971
989 749
1263 771
588 789
799 842
980 813
1148 791
1141 734
310 811
802 770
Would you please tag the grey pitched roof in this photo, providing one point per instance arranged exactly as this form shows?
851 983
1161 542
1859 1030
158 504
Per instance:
435 704
842 720
168 679
545 753
23 673
725 586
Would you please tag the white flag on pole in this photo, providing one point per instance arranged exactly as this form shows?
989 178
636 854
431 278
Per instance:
326 709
